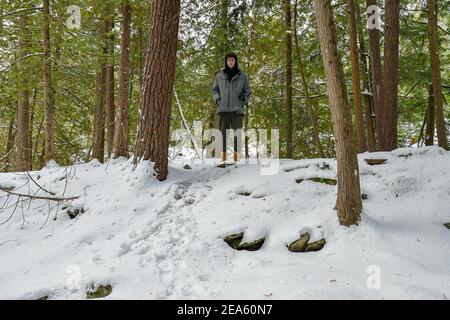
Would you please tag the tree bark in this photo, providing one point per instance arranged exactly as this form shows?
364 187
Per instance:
121 130
10 144
430 117
377 78
110 84
23 157
48 88
360 134
390 75
156 102
288 79
368 99
436 73
309 104
349 203
98 148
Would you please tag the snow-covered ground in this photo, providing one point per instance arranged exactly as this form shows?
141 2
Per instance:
158 240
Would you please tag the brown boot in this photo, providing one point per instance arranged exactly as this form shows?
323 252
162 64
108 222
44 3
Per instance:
236 157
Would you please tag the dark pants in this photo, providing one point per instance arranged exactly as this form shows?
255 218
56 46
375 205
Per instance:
230 120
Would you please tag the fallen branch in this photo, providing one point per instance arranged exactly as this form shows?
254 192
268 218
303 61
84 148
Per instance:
39 197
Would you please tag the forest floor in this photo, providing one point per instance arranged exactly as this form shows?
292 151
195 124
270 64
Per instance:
164 240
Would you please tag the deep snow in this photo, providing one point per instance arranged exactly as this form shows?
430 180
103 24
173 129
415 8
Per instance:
158 240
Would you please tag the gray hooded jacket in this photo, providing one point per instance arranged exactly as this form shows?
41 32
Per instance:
232 95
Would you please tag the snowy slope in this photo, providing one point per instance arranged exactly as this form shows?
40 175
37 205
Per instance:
158 240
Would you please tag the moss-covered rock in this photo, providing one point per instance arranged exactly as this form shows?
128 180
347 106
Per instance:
74 212
7 188
331 182
375 162
299 245
302 245
101 292
234 240
315 246
252 246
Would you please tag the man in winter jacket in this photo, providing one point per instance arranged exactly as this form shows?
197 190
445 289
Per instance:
231 93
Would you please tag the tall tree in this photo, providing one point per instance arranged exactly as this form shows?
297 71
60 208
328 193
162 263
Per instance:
121 128
156 98
309 104
429 117
98 148
23 157
349 203
359 120
377 74
367 97
48 88
110 83
288 76
222 46
9 144
436 73
390 75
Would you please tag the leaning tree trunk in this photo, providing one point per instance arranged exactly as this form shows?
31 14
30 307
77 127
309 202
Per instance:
48 89
288 52
121 129
376 68
429 132
349 203
360 134
23 157
156 99
390 75
436 72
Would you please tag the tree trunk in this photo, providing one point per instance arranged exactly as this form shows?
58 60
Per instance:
222 47
23 159
110 84
429 133
368 99
309 104
390 75
48 88
348 204
10 144
377 78
98 148
360 134
436 73
156 102
288 39
121 133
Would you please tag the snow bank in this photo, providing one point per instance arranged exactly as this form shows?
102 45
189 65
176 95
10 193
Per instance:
164 240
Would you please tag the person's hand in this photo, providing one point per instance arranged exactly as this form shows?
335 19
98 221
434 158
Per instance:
242 97
217 101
